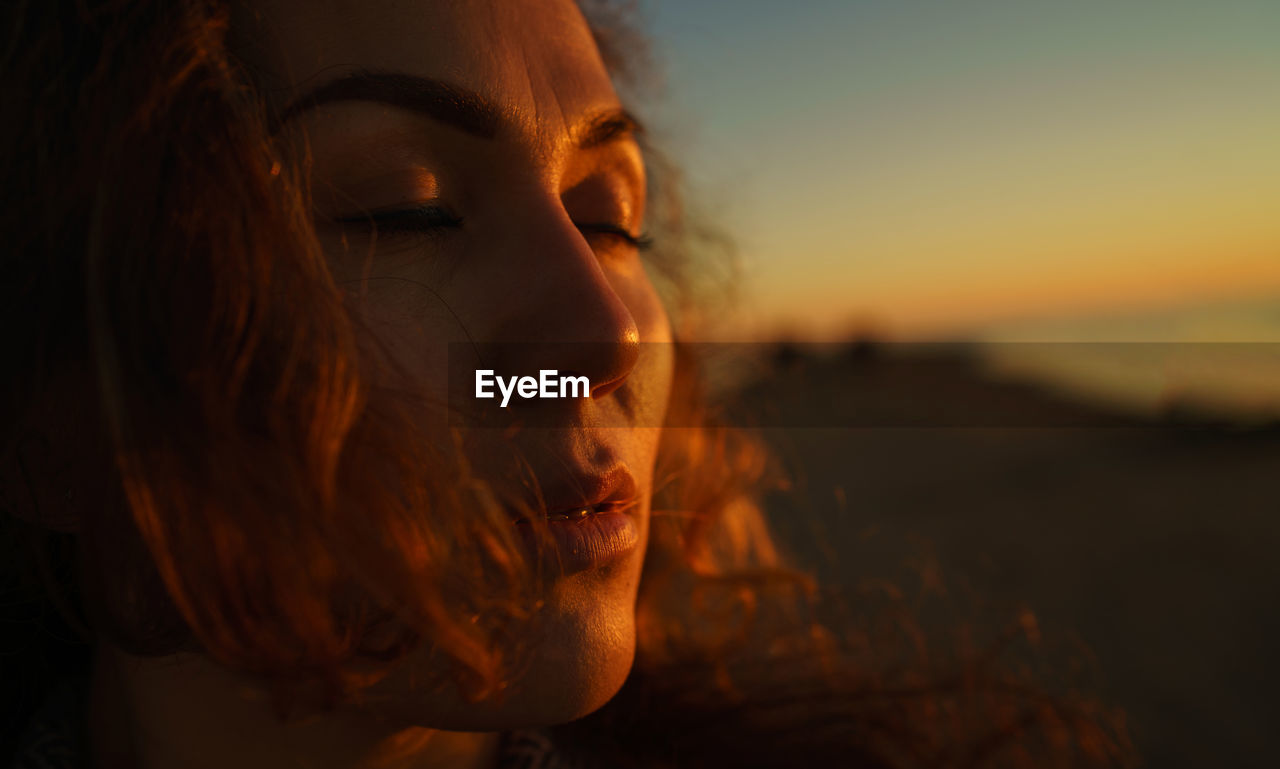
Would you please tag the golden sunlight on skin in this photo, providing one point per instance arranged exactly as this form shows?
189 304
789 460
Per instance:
524 181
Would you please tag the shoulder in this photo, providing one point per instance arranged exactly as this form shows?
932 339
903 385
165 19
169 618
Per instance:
54 739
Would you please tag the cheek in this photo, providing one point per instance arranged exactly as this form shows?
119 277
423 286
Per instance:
402 330
404 333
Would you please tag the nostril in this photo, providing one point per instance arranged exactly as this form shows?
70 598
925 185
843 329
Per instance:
621 357
603 389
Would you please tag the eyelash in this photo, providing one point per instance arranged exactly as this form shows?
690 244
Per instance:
426 219
431 220
638 242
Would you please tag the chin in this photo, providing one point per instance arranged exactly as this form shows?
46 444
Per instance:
582 658
561 686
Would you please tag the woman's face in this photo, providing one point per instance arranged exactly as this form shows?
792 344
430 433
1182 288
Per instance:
486 144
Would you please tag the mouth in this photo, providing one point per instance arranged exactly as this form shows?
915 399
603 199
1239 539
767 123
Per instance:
586 494
577 514
588 527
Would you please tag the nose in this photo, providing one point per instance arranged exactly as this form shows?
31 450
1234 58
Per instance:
562 311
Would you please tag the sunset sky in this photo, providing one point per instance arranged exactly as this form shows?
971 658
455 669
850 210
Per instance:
935 167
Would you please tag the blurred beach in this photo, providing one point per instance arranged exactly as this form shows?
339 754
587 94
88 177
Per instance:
1142 537
1011 274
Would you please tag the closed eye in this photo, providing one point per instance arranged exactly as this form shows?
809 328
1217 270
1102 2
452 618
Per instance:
638 242
423 219
434 219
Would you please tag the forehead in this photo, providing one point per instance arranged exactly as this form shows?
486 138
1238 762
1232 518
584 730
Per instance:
535 59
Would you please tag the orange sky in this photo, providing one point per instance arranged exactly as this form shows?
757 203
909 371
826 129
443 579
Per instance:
932 167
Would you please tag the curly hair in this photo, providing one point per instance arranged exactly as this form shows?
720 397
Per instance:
190 387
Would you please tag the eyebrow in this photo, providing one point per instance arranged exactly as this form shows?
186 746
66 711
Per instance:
436 99
450 104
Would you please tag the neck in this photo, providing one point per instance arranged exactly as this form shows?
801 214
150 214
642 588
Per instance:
185 711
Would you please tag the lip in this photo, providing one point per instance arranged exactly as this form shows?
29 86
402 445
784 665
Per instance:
590 541
613 489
